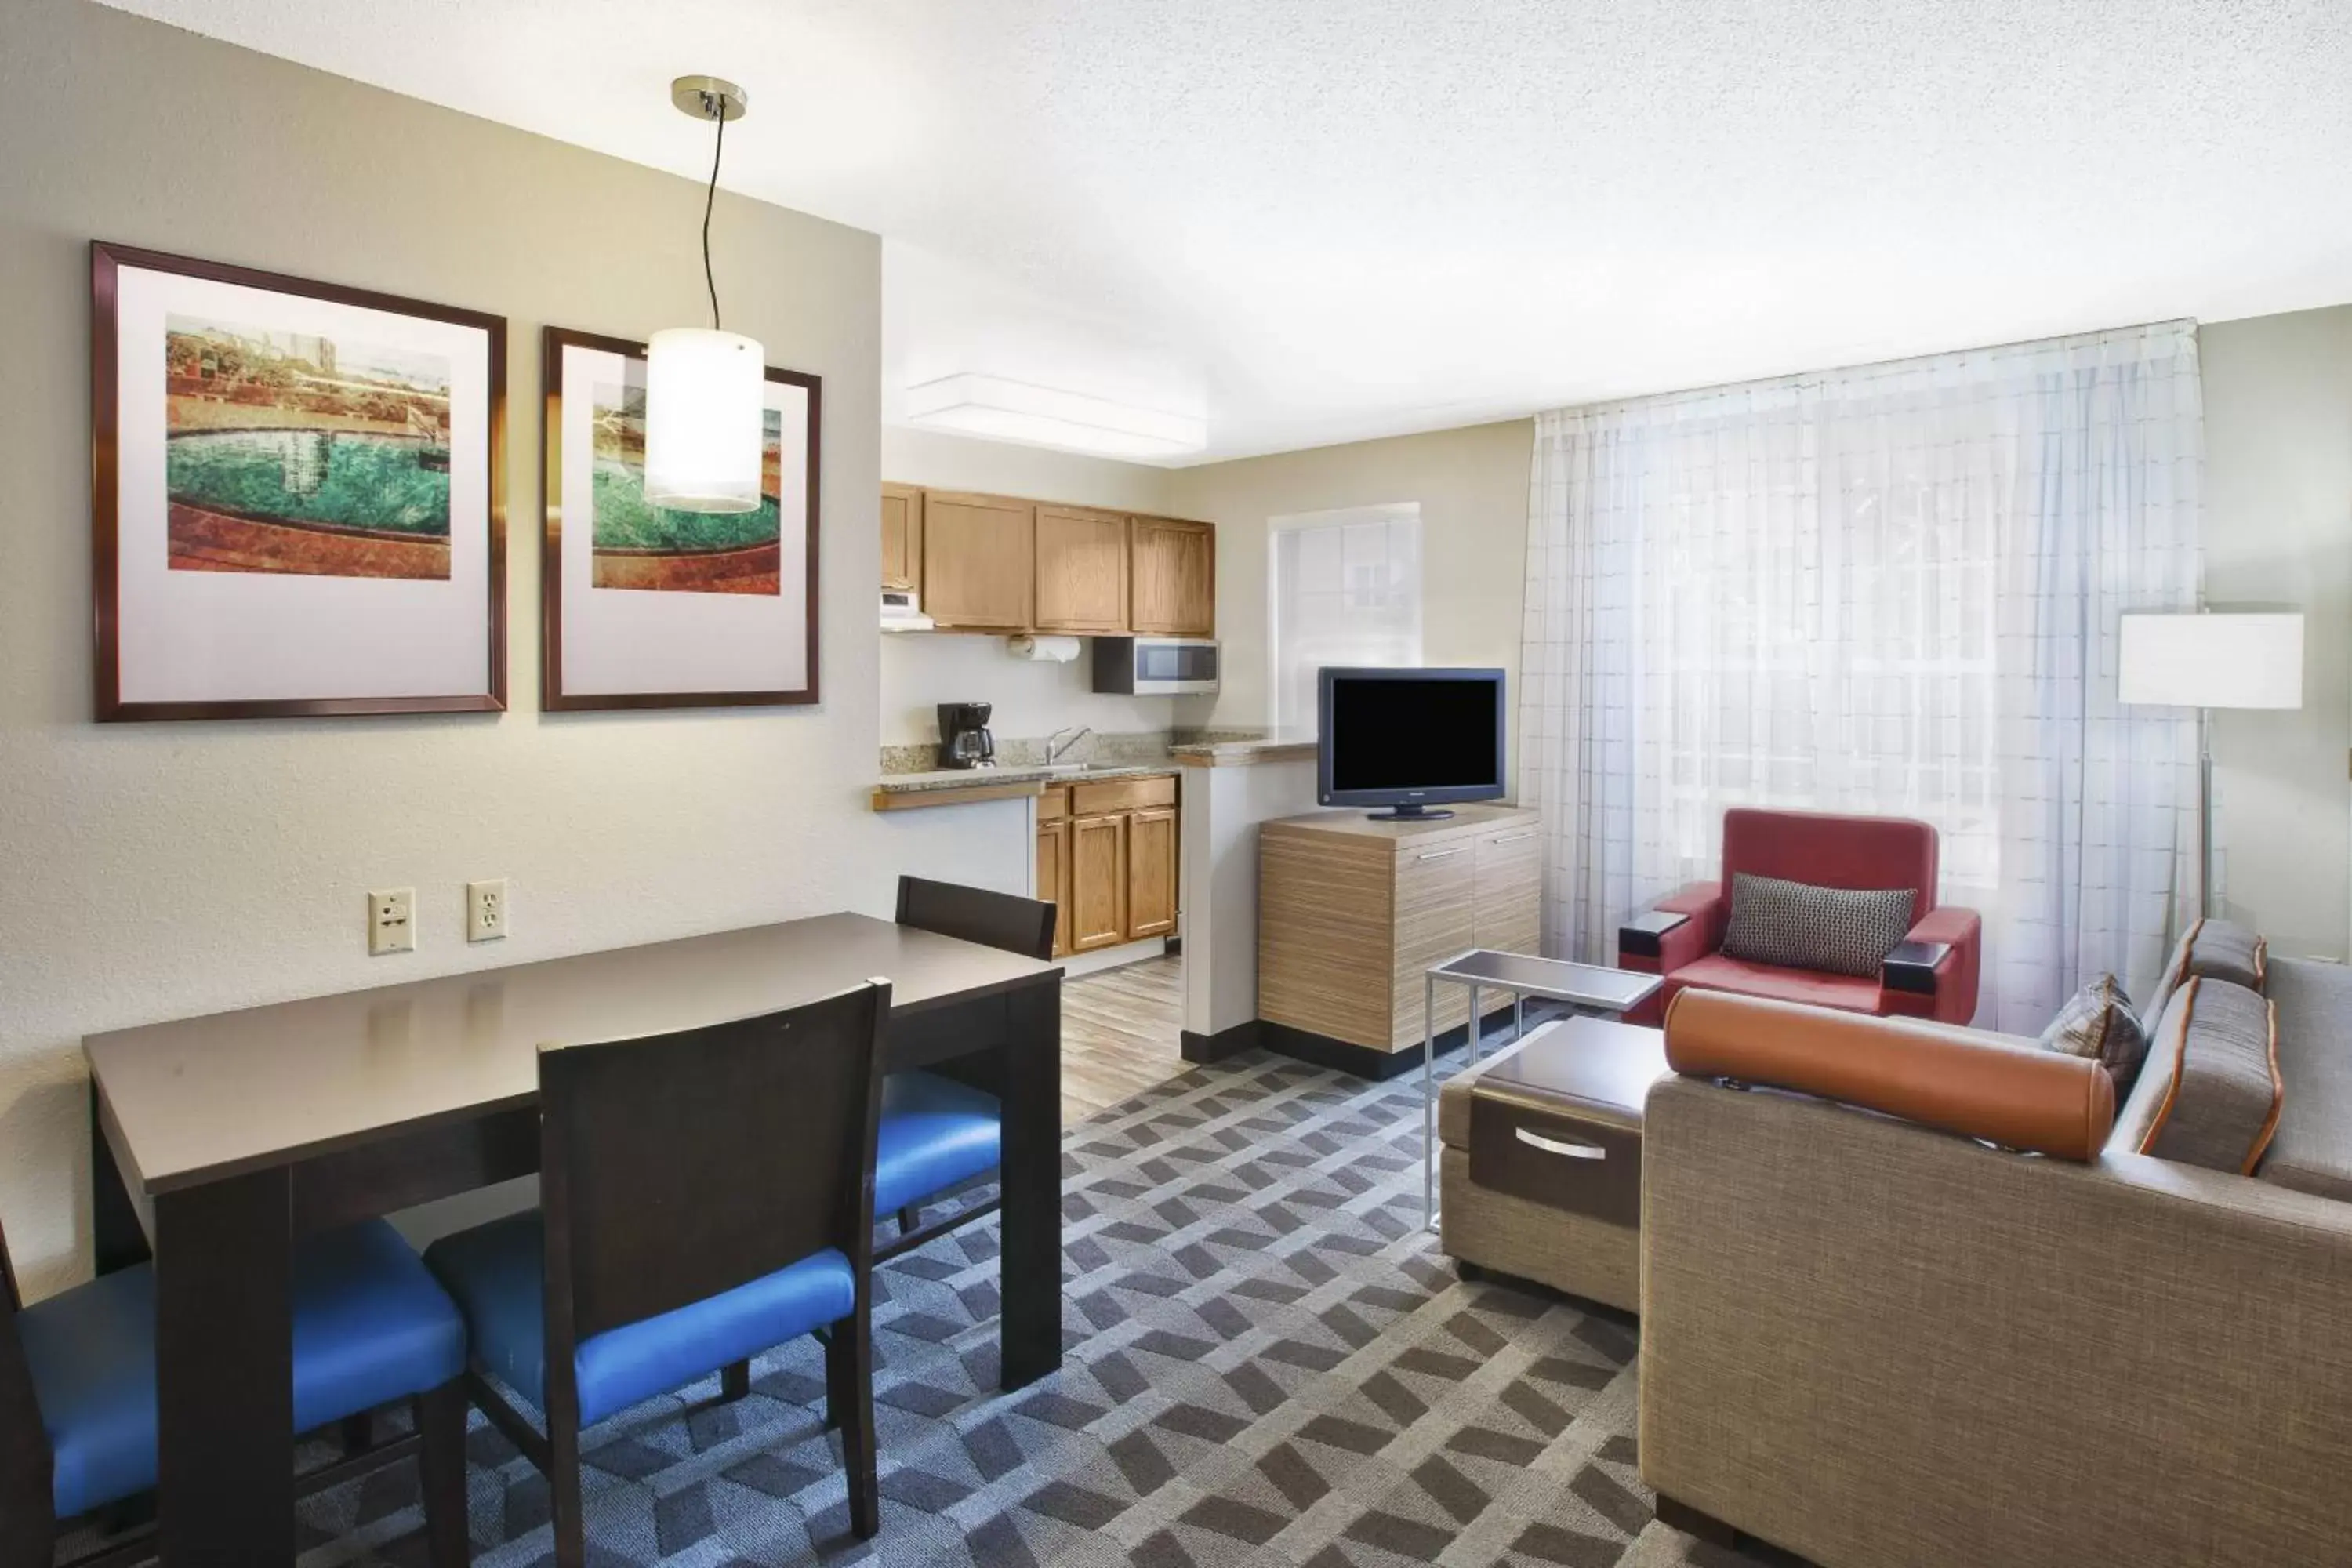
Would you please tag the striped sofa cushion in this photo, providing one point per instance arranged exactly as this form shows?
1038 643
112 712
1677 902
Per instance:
2223 1103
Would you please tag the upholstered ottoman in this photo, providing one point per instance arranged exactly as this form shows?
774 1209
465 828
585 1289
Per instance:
1540 1173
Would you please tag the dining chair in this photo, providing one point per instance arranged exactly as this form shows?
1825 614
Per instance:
704 1195
77 1414
940 1129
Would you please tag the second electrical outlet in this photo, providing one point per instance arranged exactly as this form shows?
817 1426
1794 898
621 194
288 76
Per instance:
486 910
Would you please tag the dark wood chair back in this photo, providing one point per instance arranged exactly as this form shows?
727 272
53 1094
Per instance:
1005 921
674 1167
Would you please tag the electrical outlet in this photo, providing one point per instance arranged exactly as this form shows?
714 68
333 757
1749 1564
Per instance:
486 910
392 921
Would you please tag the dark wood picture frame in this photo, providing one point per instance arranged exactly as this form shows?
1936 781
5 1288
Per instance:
106 260
553 699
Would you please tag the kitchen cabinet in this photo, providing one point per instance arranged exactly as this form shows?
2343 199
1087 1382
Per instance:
902 537
1150 873
1108 856
1082 570
978 555
1098 882
1053 876
1173 573
1002 565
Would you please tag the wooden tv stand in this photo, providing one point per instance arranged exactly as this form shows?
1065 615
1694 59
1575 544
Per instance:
1351 913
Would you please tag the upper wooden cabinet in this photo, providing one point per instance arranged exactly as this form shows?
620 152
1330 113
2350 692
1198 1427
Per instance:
1172 571
998 564
902 537
1081 569
978 562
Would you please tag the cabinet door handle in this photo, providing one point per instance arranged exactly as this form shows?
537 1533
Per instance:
1554 1146
1513 837
1441 854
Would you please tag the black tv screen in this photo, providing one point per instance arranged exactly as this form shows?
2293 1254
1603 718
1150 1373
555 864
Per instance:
1410 737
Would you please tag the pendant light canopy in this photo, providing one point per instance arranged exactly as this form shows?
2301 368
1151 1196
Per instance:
705 388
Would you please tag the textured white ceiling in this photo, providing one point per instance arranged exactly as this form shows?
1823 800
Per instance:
1316 220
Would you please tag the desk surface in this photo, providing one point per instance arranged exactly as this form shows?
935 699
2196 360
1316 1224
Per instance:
205 1097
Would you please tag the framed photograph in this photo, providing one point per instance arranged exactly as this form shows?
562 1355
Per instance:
298 496
647 607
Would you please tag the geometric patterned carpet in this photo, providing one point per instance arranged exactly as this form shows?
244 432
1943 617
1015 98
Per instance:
1267 1364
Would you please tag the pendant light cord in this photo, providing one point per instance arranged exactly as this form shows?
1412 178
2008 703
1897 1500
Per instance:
710 197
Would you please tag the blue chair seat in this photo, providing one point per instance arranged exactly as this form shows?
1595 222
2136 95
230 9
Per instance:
497 1274
935 1133
370 1327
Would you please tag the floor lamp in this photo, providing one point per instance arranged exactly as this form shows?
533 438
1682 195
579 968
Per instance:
2207 661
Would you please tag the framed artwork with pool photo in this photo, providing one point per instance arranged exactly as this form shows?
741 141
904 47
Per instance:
644 607
296 496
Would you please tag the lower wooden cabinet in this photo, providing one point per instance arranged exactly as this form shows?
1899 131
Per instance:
1098 882
1352 912
1150 873
1108 859
1053 878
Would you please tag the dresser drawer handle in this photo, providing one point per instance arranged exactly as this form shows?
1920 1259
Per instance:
1513 837
1441 854
1553 1146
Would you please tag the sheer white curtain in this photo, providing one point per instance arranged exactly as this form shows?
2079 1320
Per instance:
1892 590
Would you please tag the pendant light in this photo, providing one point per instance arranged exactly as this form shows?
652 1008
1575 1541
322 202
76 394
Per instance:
705 388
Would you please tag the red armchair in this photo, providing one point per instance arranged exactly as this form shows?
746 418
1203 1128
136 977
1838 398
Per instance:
1932 974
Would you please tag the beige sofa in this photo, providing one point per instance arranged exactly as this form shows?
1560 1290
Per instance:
1921 1304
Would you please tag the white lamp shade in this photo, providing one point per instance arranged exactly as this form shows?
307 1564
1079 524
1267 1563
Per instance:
2212 661
705 401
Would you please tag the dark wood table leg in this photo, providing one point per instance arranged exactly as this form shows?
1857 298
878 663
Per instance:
114 1218
225 1374
1032 1262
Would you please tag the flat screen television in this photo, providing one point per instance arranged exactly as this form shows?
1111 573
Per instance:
1409 739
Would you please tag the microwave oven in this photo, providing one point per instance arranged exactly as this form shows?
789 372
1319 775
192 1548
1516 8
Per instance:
1155 666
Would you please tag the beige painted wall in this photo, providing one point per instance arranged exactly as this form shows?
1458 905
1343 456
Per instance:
920 671
158 870
1472 485
2278 535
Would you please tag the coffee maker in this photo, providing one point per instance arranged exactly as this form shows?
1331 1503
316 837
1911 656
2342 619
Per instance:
964 740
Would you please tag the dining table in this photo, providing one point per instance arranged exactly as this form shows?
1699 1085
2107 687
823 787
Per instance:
217 1141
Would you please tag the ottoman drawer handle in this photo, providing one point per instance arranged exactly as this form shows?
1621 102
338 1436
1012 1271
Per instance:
1554 1146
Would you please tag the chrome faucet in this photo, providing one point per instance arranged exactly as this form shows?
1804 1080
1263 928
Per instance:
1056 747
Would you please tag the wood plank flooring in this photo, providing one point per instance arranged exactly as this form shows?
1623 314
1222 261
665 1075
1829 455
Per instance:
1119 1034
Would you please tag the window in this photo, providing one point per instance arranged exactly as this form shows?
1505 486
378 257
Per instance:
1344 589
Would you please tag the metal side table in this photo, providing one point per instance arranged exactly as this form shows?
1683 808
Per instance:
1589 987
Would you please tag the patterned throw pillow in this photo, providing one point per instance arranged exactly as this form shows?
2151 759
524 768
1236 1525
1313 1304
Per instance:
1833 930
2097 1022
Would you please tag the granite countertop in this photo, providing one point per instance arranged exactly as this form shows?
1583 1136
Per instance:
1217 748
938 779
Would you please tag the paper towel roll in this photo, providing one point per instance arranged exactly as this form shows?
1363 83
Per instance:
1043 650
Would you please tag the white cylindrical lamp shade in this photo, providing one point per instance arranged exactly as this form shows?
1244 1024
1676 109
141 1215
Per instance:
705 401
2226 660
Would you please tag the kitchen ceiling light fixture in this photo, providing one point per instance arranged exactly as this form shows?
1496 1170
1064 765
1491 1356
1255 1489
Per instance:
705 388
1002 410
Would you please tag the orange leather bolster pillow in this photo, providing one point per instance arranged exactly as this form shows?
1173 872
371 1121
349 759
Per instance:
1935 1074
